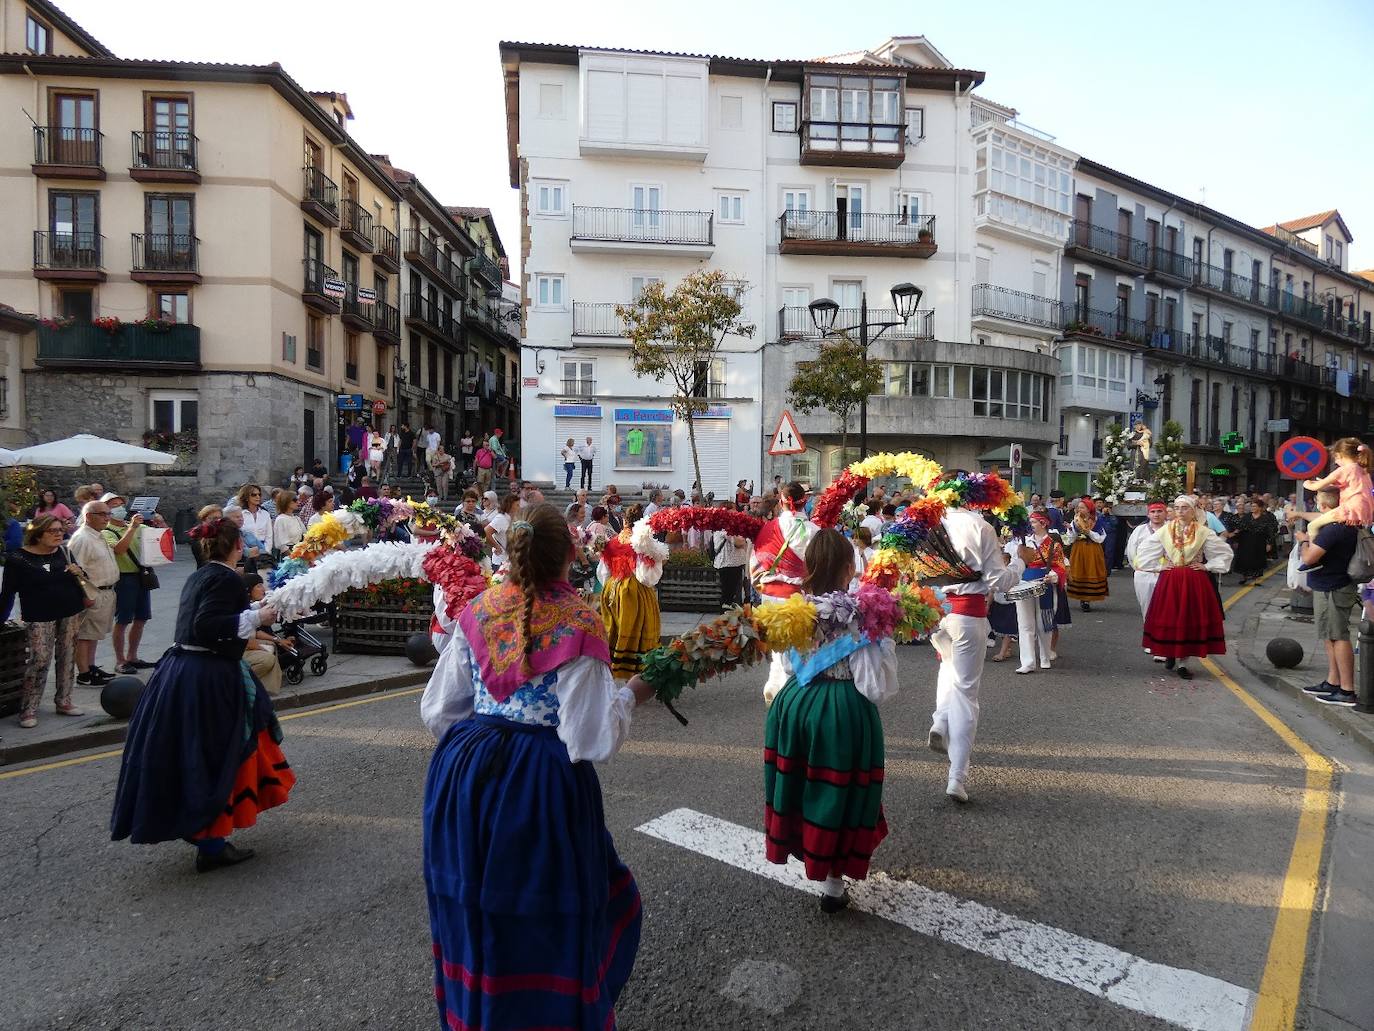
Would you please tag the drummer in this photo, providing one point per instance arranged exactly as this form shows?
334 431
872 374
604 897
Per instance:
1035 611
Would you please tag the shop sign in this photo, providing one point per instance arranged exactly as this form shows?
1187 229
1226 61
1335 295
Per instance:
348 402
471 402
714 412
577 411
643 415
530 381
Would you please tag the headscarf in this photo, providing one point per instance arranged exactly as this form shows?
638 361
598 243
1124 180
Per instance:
1186 499
1157 506
562 625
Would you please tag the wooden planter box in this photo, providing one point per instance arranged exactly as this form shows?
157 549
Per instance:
377 629
14 656
689 589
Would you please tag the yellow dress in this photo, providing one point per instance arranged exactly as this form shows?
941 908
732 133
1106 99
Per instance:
628 608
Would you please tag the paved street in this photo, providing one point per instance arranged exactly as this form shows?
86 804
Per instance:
1152 817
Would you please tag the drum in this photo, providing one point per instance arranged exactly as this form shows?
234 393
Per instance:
1026 590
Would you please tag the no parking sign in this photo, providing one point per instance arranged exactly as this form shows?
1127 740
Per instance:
1299 458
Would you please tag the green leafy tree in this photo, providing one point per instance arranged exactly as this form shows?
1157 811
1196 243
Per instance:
1169 469
836 381
675 333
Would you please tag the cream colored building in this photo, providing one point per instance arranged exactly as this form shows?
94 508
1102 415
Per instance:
246 245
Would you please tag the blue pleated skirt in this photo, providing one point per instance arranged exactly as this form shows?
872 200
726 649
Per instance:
535 920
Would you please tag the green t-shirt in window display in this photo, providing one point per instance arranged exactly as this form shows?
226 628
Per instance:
634 442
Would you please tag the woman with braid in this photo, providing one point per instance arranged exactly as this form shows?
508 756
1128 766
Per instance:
535 920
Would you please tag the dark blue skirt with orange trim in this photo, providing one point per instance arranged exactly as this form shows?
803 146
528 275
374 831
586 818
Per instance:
535 920
202 754
823 778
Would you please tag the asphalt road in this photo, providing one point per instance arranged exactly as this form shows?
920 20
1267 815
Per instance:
1109 800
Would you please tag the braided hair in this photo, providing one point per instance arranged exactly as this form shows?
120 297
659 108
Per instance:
538 548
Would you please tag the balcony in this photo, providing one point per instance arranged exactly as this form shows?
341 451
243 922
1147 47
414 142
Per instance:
320 196
322 289
1093 324
487 273
855 234
1170 267
1103 247
795 323
851 144
1018 219
356 315
1301 311
1232 287
579 389
424 314
356 226
70 257
1042 315
129 346
596 320
425 252
165 258
386 323
164 157
642 231
60 152
386 250
1216 352
498 321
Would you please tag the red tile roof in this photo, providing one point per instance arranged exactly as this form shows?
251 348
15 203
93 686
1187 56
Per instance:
1297 225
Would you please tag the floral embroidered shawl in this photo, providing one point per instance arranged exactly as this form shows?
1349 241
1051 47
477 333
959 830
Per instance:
564 627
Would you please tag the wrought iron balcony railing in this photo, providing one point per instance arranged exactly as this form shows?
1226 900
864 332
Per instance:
357 220
1224 281
165 252
1107 244
1171 263
386 319
385 245
431 314
321 190
166 150
895 230
176 344
64 145
794 323
76 251
595 319
642 225
1016 306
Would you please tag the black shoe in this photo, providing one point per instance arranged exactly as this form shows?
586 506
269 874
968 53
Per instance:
93 678
102 672
1319 689
1338 697
142 664
1170 663
127 668
834 903
228 856
1184 673
1085 606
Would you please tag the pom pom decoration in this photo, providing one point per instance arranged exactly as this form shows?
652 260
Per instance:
680 520
339 571
787 624
841 491
459 577
711 650
652 554
879 612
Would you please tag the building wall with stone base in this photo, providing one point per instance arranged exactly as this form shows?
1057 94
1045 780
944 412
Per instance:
246 433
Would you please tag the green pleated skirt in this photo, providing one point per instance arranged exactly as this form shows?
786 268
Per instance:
823 778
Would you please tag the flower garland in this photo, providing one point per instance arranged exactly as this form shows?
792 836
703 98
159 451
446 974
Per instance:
456 574
746 634
680 520
325 536
651 553
380 514
425 517
339 571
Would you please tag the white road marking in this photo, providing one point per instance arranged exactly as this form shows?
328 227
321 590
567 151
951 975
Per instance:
1182 997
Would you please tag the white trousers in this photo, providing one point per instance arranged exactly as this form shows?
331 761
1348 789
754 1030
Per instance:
777 673
1145 589
1032 630
963 648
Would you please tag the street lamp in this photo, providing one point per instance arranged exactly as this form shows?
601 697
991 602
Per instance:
906 297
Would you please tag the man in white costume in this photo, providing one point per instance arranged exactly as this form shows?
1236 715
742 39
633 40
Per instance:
961 641
1143 552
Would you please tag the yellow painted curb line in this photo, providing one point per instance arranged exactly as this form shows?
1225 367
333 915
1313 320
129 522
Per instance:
62 763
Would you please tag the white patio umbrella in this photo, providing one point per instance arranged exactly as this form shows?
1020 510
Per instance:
88 449
6 458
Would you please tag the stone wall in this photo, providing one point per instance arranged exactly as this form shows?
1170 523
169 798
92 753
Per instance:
247 433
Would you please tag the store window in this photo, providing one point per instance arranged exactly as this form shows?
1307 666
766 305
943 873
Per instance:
643 439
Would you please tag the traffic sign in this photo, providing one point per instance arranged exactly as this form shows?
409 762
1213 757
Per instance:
1014 456
787 439
1300 457
378 407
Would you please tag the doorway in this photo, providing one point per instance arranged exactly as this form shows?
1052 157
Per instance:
308 443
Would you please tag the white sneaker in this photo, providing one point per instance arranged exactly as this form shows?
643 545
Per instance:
1053 655
1028 668
935 740
1045 664
956 791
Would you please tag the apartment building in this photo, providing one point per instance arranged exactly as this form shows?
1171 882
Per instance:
204 245
839 177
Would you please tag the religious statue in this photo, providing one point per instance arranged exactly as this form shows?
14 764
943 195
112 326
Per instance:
1141 439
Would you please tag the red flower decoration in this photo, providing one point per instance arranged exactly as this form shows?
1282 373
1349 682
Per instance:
459 576
842 490
680 520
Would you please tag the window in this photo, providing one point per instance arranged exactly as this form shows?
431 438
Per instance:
1082 285
731 112
173 411
1340 248
1009 394
76 304
796 202
708 380
638 283
172 306
351 357
169 225
382 363
784 116
1329 248
548 292
314 342
448 376
4 397
37 36
414 366
74 221
167 122
915 124
854 113
288 348
647 201
730 208
639 100
1100 368
550 198
550 100
908 207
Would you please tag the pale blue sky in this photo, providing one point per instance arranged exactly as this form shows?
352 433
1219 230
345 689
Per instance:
1267 106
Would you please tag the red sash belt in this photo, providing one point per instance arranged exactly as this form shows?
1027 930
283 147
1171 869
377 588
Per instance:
975 605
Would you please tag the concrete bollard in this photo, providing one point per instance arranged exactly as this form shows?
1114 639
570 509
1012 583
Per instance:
1364 701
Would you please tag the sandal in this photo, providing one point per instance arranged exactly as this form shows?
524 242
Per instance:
28 720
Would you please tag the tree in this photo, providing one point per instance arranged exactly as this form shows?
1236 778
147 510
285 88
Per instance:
1116 475
675 334
837 381
1168 480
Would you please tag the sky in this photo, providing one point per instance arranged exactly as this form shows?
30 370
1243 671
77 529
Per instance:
1262 110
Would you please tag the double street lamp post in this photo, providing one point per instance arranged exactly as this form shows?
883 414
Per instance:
906 297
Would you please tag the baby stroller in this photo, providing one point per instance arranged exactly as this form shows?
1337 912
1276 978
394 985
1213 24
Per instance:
308 647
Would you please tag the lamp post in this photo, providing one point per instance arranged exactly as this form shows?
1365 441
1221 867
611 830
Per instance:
905 298
398 370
